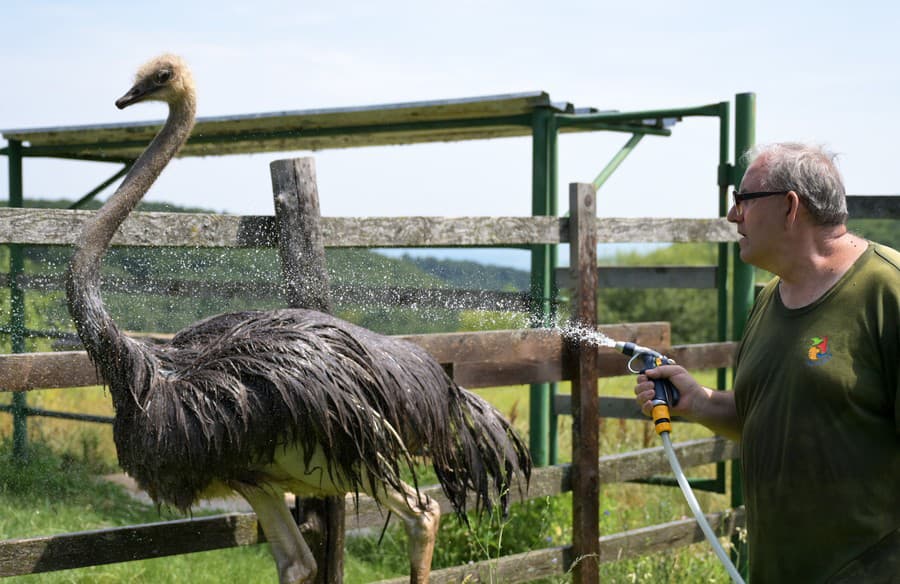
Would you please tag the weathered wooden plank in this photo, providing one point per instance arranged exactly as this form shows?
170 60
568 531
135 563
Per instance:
60 227
647 277
439 231
499 358
666 536
106 546
515 369
534 343
645 463
638 230
477 359
46 370
629 466
557 561
873 206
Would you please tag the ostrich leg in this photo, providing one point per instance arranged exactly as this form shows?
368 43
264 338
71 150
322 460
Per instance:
293 557
421 517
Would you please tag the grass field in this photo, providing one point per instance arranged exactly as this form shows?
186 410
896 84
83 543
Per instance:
59 491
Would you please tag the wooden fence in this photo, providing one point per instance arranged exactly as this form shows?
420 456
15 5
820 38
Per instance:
494 358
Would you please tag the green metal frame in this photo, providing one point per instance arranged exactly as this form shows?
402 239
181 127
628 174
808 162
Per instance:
744 140
17 303
543 266
725 179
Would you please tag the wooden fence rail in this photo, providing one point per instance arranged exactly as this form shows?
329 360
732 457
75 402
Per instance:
477 359
61 227
120 544
558 561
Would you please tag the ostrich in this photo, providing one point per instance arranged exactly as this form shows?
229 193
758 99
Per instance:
265 402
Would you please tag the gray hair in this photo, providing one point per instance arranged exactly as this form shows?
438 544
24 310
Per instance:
808 170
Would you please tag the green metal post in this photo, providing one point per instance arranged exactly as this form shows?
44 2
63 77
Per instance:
744 139
617 160
550 305
724 181
17 302
543 264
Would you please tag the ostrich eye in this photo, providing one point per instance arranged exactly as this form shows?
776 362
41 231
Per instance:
163 76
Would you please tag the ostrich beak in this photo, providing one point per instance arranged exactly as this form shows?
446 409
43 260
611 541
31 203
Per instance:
141 90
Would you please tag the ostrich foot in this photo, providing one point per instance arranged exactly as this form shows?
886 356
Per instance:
293 558
421 517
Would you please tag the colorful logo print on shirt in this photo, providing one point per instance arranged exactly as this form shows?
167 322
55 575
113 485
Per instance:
818 352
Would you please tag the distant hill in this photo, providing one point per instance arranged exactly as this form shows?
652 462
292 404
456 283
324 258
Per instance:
472 275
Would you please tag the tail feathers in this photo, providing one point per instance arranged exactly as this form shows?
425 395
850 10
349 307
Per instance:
486 456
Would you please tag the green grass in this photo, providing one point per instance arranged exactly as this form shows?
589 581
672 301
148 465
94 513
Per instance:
58 491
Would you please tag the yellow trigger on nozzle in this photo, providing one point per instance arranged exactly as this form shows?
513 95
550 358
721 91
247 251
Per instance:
661 418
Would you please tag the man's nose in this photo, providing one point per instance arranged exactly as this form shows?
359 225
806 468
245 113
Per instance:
733 216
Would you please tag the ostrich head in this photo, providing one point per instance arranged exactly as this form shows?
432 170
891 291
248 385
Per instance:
166 78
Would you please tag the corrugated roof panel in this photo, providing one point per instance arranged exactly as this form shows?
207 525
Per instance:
316 129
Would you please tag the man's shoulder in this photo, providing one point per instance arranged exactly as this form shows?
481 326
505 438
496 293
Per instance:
883 268
767 293
887 255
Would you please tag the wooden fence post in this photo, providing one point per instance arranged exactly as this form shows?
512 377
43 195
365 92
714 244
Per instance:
300 242
585 409
302 250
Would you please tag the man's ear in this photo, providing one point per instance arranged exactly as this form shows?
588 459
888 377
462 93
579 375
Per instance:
792 215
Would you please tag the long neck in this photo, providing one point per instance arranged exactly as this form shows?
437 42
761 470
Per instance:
95 326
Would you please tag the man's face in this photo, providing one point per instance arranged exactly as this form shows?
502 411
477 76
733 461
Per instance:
757 221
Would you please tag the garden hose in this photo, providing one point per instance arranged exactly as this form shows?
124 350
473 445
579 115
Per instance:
666 394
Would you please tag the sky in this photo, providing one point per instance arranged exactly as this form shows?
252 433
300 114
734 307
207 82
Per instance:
823 72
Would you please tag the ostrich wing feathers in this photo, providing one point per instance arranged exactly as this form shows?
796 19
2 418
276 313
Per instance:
235 387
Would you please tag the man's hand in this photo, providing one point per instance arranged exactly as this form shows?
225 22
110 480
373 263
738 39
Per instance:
714 409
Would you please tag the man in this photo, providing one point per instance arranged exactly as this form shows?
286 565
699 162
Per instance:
816 405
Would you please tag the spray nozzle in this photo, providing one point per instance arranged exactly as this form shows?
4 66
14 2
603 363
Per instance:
666 394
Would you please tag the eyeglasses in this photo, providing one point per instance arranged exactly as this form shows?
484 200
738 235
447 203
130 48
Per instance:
741 197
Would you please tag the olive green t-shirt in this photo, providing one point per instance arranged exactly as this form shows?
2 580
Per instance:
816 390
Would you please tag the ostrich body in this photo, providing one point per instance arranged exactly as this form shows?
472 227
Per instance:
287 400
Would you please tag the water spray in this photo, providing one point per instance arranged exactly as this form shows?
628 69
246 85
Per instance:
666 395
